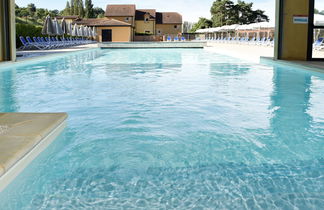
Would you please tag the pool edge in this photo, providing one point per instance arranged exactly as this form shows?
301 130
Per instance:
294 64
21 164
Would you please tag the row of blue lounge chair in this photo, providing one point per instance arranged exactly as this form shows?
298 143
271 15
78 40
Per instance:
176 39
46 43
245 40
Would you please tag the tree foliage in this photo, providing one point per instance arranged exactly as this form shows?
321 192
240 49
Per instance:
317 11
202 23
89 13
73 7
225 12
34 14
98 12
86 10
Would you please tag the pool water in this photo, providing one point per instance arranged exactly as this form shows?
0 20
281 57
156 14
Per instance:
170 129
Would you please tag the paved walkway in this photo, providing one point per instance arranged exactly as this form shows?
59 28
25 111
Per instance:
248 52
36 53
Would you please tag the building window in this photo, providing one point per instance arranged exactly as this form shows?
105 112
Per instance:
175 26
159 32
127 19
146 19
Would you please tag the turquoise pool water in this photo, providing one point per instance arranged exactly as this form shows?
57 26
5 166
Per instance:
170 129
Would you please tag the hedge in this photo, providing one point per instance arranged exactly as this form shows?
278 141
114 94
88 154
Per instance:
27 30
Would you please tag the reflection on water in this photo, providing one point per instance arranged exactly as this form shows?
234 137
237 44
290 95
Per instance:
290 103
7 91
229 69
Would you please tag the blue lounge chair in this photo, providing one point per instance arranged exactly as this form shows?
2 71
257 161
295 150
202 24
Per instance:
45 45
25 45
169 38
176 39
35 44
319 44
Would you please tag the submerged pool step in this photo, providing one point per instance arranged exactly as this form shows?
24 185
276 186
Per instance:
22 137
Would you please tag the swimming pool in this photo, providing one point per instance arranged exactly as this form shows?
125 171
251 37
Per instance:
170 128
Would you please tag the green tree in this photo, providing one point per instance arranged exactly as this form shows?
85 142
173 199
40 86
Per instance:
67 10
17 10
24 12
53 13
317 11
89 9
72 7
76 7
81 8
201 24
31 9
98 12
40 13
225 12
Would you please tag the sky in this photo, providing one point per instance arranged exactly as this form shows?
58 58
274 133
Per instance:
191 10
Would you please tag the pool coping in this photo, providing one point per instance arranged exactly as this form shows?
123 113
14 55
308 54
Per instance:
152 45
305 65
23 153
30 60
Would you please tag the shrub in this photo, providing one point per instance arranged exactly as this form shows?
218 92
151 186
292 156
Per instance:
143 34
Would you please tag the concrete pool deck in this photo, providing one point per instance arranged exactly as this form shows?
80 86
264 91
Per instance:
22 137
263 54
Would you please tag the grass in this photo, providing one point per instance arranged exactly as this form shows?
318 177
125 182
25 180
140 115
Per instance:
30 21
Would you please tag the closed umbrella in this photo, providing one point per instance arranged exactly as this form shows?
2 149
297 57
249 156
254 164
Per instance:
58 28
86 31
75 31
94 31
48 27
69 28
90 32
65 27
81 31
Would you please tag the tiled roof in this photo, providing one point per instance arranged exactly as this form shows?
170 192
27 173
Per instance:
120 10
68 17
168 18
101 22
141 12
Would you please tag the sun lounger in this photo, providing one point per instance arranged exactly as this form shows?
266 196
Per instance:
319 44
32 44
